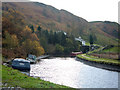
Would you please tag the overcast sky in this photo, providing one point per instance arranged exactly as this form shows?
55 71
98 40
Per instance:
91 10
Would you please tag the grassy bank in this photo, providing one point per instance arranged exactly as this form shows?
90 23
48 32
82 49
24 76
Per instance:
115 49
14 78
106 52
99 60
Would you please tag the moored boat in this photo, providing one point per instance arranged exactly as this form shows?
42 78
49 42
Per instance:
21 64
73 54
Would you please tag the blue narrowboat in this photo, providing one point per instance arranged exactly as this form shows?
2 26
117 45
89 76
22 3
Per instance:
21 64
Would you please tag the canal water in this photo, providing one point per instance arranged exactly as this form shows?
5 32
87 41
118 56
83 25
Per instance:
72 73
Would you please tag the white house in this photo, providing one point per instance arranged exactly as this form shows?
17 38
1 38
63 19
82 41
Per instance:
81 40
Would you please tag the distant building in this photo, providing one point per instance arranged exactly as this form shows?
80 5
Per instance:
81 40
61 31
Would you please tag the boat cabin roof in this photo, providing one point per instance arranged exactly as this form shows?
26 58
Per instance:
21 60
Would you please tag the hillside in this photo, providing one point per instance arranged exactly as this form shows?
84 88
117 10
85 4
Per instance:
110 28
53 19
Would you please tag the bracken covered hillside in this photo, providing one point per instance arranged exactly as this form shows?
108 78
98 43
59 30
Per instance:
53 19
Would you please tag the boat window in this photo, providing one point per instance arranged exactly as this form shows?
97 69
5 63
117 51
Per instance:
21 63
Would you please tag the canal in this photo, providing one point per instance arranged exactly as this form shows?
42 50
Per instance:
73 73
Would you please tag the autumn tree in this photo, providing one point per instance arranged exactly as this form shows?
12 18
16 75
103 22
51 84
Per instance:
33 37
10 41
37 49
33 47
6 40
14 40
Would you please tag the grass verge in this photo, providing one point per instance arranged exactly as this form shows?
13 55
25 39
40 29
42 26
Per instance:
14 78
99 60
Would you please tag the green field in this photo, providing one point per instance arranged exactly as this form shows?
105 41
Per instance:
14 78
112 50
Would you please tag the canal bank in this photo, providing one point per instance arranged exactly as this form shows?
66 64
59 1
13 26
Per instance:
99 62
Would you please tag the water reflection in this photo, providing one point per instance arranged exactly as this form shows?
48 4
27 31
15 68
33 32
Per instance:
69 72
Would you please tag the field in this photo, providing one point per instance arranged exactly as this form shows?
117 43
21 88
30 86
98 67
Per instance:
115 49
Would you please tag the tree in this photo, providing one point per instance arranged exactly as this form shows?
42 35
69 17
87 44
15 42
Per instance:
37 49
95 38
63 39
33 47
44 43
39 31
55 39
68 46
27 34
7 40
91 39
69 43
32 28
15 41
39 28
27 46
59 49
51 37
33 37
10 41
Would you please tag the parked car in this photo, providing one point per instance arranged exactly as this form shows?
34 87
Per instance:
21 64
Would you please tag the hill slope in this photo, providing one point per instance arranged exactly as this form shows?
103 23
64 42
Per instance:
51 18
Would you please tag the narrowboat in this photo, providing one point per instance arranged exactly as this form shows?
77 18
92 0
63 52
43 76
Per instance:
31 58
21 64
73 54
